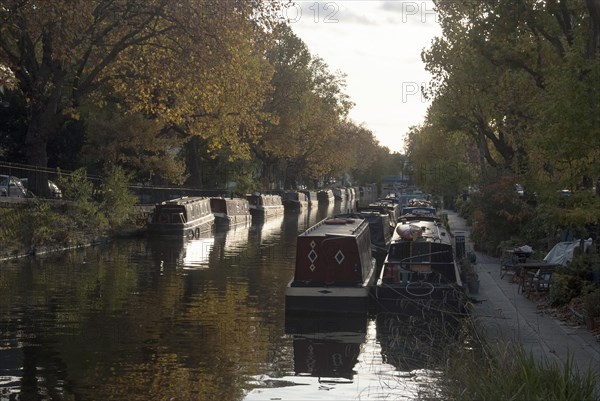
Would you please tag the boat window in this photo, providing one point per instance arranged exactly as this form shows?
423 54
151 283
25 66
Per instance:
180 217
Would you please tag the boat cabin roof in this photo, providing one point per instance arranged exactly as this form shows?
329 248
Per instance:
264 199
419 210
183 201
295 195
430 231
335 226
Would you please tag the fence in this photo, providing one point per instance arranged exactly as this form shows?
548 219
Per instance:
147 194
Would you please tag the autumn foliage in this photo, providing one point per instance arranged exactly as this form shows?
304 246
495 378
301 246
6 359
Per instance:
167 89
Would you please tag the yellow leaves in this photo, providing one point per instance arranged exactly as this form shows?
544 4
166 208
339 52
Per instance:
72 113
7 78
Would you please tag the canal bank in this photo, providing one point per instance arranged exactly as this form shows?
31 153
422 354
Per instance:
504 315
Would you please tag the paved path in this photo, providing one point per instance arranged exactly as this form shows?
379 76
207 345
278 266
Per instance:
506 315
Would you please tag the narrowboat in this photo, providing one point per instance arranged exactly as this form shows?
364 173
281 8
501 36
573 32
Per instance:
339 194
311 197
420 270
334 268
392 208
230 212
182 217
265 206
418 211
380 227
325 196
350 194
294 201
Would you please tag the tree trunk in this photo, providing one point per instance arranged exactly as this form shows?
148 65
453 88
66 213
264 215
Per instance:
194 165
36 141
593 44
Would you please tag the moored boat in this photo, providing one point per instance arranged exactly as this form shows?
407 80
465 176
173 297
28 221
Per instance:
230 212
264 206
294 201
392 208
421 211
420 270
325 196
339 194
182 217
380 228
311 196
334 268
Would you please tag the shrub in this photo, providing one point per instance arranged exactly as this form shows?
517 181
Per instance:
592 304
84 211
116 202
572 281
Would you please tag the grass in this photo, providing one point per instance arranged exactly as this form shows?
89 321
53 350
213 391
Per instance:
473 369
507 372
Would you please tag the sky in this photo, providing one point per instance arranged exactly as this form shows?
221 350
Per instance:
378 45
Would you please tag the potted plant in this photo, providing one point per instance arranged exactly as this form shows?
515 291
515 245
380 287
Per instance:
470 275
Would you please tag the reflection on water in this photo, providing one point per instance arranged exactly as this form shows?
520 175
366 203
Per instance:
197 253
326 346
267 231
184 320
183 253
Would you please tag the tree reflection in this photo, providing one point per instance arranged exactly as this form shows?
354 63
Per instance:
94 325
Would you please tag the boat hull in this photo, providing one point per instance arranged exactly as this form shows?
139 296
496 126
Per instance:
193 229
295 206
351 300
419 296
223 220
266 212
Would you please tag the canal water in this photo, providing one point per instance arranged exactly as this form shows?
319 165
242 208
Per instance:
142 319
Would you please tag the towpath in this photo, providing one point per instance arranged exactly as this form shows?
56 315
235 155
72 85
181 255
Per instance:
506 315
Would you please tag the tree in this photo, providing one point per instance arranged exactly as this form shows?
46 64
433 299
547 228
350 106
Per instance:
444 170
139 145
63 53
307 105
520 78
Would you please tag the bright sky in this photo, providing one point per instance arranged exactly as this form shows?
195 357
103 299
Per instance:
378 45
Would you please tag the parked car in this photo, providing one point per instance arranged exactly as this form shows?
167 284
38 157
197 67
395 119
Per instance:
55 191
520 190
12 186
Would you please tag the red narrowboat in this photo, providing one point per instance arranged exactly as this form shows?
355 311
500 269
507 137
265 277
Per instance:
334 268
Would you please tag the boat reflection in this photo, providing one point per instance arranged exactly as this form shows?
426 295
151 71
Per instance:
196 254
326 346
231 242
181 253
268 231
325 210
307 218
417 341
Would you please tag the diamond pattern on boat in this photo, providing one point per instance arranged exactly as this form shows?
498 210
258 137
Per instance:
339 257
312 256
